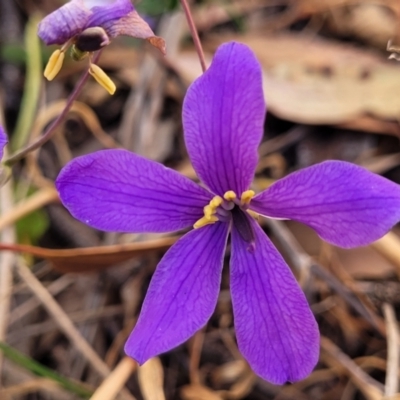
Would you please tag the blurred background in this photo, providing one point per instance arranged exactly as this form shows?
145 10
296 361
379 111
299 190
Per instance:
70 295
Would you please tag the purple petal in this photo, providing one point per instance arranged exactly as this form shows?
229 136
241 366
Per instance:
3 141
182 294
64 23
135 26
275 329
115 190
129 25
347 205
223 116
109 12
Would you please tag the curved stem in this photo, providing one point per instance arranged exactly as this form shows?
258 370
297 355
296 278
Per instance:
194 33
49 132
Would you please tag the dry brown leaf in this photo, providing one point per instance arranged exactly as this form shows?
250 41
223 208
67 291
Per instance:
92 258
371 22
365 263
329 83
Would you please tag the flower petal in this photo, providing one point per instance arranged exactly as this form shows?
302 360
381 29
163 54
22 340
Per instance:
64 23
223 116
347 205
135 26
96 3
182 294
3 141
109 12
116 190
275 329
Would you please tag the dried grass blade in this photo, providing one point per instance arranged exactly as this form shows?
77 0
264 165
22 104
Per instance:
392 369
112 385
7 261
371 389
151 377
26 206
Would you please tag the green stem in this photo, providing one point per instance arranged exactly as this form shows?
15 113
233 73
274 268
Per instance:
32 85
48 134
40 370
195 34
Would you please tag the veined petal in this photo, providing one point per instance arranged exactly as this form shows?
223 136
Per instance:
108 12
347 205
135 26
223 116
64 23
96 3
3 141
182 294
275 329
116 190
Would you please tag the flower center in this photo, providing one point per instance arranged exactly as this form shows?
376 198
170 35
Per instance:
226 208
91 39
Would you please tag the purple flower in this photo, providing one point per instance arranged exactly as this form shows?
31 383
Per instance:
88 26
223 117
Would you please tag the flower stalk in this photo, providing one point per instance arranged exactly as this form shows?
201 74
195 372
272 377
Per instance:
195 34
49 132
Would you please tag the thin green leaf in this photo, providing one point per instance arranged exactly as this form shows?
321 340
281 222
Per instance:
32 85
40 370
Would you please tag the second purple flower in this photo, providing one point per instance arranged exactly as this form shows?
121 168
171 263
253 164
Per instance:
87 26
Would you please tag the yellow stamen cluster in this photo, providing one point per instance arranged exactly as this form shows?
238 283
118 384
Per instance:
210 209
55 63
209 213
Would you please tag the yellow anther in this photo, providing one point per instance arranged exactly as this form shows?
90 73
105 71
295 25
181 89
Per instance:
102 78
230 195
54 65
209 213
247 196
205 221
216 202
